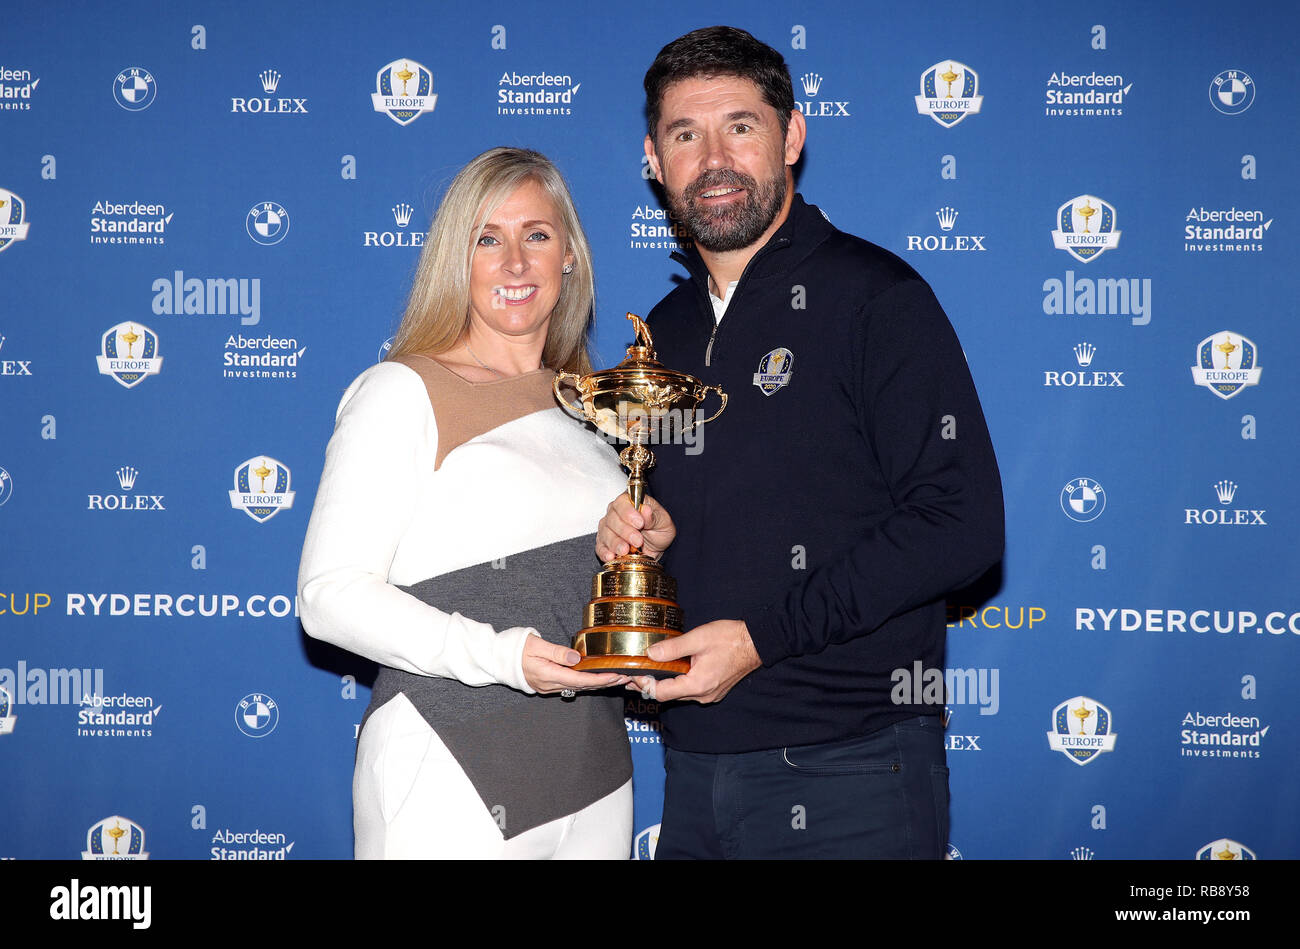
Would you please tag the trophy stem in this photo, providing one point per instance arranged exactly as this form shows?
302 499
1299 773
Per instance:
637 459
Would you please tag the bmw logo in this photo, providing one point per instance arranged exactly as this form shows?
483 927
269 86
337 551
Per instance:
1232 92
267 222
134 89
257 715
1083 500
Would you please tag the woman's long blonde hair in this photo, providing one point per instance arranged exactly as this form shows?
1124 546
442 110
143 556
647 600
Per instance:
437 312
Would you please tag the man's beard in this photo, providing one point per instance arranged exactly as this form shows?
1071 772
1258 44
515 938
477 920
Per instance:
737 225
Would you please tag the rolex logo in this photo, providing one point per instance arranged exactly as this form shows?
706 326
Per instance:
402 214
947 218
270 80
1081 853
1226 490
1083 352
126 477
811 82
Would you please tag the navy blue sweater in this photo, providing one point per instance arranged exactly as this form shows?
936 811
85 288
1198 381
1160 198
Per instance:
833 514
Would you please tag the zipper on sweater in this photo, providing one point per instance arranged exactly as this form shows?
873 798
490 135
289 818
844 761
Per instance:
717 324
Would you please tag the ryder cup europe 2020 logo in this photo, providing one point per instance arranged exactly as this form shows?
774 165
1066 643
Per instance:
949 92
403 91
1082 728
252 494
1225 849
1078 234
774 371
13 218
115 838
6 719
129 353
1226 347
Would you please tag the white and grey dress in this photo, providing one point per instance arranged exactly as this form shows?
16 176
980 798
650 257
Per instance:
453 520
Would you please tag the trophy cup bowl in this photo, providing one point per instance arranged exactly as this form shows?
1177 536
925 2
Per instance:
633 601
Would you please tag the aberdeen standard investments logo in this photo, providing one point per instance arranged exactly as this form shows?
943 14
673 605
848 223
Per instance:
1082 728
1224 380
251 493
1078 234
540 93
1225 230
16 88
403 91
128 352
13 218
132 222
949 92
1085 94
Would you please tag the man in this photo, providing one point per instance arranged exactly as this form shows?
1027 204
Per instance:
849 486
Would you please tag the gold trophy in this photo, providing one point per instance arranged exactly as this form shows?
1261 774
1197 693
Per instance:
634 602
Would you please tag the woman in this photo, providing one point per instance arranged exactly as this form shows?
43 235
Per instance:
451 543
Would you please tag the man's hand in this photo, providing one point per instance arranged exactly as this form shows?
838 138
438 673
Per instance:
623 528
546 669
721 655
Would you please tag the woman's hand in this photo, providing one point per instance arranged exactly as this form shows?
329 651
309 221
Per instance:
546 669
623 528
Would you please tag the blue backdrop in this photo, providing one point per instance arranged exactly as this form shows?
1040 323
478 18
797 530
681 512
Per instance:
209 217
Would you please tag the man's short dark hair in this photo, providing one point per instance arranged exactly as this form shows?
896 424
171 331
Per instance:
719 51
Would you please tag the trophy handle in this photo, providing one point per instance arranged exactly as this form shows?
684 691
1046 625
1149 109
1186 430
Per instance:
569 406
723 395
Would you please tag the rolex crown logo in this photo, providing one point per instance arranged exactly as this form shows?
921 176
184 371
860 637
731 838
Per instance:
811 82
947 218
1081 853
402 214
1226 490
270 80
1083 353
126 476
